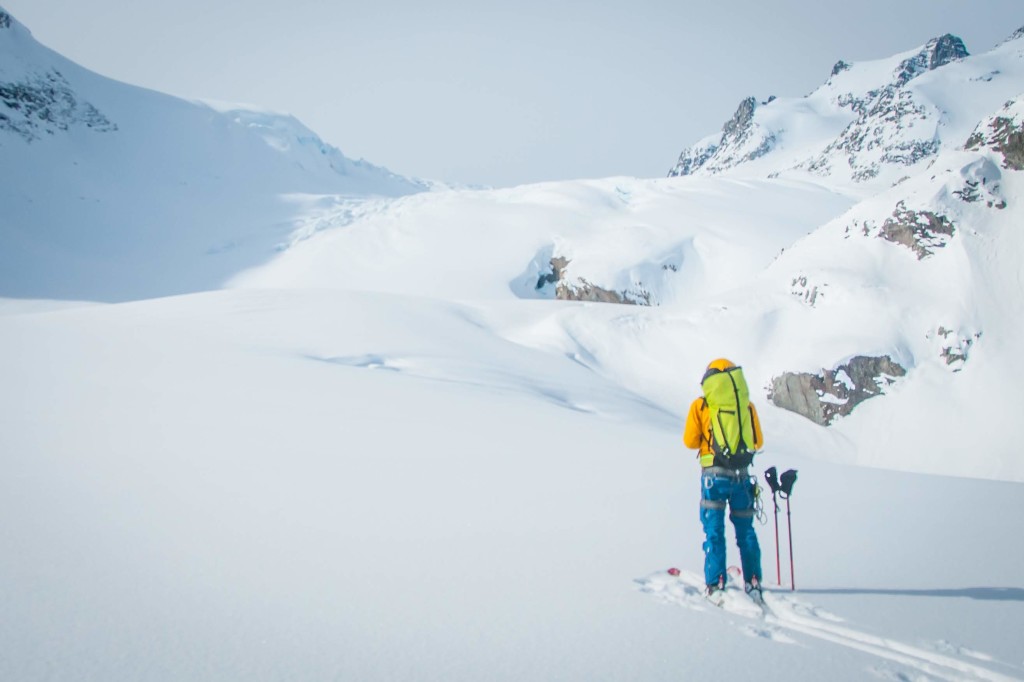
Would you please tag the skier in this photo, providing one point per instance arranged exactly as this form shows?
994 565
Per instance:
723 427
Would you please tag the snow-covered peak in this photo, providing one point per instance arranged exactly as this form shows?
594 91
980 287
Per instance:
869 123
937 52
1016 35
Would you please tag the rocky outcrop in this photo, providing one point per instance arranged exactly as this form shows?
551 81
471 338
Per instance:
1003 134
937 52
920 231
46 104
740 121
839 67
880 134
742 140
5 19
954 346
982 182
692 159
834 393
582 290
806 290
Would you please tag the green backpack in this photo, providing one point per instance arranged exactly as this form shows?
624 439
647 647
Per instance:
732 419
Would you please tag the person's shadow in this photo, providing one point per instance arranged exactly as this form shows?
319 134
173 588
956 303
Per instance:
981 593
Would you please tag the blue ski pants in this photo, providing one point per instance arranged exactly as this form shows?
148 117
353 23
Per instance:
736 491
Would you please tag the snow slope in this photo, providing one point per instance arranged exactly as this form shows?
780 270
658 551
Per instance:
738 268
676 241
259 484
113 192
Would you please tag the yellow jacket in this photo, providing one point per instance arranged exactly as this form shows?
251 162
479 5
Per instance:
697 432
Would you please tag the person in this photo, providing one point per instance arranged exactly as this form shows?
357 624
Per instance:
724 476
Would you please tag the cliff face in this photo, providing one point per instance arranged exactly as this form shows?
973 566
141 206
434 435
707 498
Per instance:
834 393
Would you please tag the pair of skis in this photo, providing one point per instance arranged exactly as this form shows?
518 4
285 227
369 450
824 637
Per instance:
718 597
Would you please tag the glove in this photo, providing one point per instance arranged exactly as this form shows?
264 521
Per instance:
786 481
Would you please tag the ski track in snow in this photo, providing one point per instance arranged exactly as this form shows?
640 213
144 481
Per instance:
784 614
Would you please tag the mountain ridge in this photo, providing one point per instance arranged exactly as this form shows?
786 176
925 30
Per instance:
879 120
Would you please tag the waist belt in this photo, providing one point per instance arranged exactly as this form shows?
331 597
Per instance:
726 473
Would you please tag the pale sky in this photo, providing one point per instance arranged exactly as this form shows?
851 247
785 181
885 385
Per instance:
500 93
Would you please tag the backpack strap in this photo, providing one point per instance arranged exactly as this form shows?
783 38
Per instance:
753 423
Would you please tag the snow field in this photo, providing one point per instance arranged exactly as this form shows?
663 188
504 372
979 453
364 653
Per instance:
249 484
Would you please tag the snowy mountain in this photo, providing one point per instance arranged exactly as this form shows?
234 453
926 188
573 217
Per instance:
170 196
389 434
873 123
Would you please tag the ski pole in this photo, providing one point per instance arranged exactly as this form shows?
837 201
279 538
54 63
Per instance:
789 522
786 481
778 562
770 475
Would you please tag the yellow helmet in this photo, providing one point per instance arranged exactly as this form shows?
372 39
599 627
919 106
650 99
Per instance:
721 364
715 366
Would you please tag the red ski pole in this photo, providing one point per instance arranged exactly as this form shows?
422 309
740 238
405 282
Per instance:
771 475
786 481
789 522
778 563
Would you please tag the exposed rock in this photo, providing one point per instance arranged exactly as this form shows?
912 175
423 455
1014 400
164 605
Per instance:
740 121
974 191
840 67
938 52
1003 134
691 159
955 347
742 140
45 103
879 134
582 290
807 291
5 19
920 231
982 183
825 397
557 272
